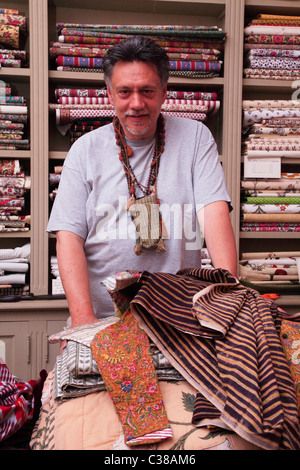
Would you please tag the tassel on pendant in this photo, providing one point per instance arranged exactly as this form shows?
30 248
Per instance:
130 202
161 247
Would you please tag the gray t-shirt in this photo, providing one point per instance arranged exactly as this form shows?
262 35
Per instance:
93 192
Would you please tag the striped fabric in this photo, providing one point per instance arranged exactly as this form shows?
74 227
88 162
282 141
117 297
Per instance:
80 361
222 337
67 385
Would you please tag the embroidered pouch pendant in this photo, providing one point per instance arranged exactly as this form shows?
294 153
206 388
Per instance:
147 218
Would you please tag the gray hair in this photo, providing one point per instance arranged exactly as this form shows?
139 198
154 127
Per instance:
137 49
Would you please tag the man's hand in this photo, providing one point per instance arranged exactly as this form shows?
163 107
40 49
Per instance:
83 320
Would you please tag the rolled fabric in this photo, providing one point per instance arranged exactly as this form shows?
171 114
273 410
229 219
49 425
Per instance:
10 36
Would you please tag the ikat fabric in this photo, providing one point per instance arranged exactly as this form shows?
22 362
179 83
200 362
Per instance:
16 402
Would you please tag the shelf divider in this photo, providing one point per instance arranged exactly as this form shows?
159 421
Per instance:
38 18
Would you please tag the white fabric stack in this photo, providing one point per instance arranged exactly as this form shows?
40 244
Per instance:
14 266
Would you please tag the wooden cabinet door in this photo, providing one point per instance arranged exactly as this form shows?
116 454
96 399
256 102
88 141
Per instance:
15 347
53 326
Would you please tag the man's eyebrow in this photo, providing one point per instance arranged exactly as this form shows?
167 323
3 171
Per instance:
128 87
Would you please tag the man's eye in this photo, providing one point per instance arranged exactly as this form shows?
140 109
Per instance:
123 92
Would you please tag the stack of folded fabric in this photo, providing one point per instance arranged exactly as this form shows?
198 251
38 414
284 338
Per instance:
57 287
54 179
271 205
272 129
84 109
272 47
83 126
88 109
194 51
14 270
13 32
272 119
271 272
191 104
13 188
205 259
13 118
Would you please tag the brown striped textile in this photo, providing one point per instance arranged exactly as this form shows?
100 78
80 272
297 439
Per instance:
223 338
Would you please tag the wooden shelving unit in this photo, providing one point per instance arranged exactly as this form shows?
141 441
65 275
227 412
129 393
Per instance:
49 147
272 89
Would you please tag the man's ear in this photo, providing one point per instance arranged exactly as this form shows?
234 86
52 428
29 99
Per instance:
165 89
109 94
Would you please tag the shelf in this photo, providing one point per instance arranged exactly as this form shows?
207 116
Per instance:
57 155
57 76
15 234
39 305
284 160
15 154
257 88
273 5
208 82
280 235
177 7
259 84
288 300
73 77
14 72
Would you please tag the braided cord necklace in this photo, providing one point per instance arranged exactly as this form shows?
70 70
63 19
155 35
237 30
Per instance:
146 237
126 153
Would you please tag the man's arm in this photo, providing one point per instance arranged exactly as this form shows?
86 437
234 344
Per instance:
217 230
74 275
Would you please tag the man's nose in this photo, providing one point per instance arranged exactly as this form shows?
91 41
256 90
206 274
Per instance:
136 101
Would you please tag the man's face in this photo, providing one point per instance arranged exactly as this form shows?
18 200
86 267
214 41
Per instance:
137 95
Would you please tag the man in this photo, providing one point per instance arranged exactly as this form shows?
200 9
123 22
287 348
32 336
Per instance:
141 154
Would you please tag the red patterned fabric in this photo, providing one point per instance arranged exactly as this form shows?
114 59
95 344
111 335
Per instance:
17 402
